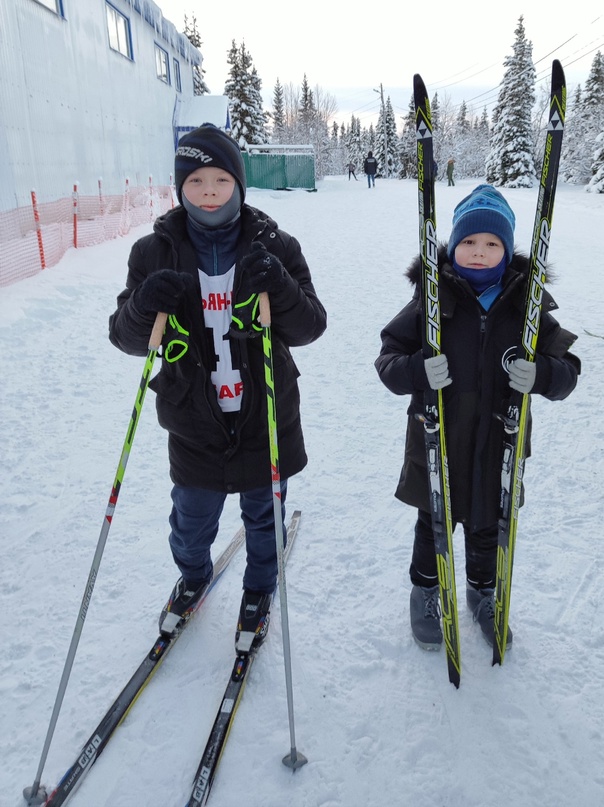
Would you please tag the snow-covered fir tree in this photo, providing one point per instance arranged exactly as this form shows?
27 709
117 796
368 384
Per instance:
461 139
463 124
278 114
369 141
337 151
510 162
593 101
395 151
243 89
306 113
302 117
408 145
448 134
541 112
584 124
354 146
258 115
477 147
436 128
387 145
574 163
342 159
596 183
325 109
192 33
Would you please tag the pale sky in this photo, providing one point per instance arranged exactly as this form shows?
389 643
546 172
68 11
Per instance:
459 52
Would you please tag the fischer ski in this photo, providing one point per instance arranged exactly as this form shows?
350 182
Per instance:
210 759
94 746
516 420
433 417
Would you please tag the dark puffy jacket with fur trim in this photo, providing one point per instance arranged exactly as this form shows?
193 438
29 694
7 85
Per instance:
478 344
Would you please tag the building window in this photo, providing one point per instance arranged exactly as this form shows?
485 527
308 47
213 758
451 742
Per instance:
162 64
53 5
118 28
177 83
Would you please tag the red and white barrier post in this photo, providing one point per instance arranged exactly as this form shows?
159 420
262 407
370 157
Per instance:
34 203
75 214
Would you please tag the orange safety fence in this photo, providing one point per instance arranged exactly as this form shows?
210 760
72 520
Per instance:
36 237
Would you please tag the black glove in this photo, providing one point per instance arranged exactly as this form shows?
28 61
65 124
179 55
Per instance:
162 291
262 271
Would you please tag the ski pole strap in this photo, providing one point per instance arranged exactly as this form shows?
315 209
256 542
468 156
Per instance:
265 310
159 327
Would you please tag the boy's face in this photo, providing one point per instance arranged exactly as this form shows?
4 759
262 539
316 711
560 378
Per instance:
209 188
479 251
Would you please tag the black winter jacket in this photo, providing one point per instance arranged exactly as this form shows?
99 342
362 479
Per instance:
370 166
207 448
477 344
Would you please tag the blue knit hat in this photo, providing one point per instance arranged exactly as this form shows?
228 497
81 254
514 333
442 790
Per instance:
484 211
208 146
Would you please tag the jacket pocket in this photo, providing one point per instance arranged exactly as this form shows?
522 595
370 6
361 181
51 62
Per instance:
174 390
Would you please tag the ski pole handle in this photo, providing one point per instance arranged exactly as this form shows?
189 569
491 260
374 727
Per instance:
159 327
265 309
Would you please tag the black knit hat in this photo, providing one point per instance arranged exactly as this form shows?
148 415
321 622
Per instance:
208 146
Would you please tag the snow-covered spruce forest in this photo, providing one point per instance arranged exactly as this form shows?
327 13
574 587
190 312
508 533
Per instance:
509 144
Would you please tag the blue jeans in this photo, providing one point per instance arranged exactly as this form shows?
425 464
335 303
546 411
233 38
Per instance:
370 180
194 524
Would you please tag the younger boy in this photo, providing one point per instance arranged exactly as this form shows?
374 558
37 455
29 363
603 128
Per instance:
482 296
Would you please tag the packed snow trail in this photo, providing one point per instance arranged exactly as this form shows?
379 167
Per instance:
369 702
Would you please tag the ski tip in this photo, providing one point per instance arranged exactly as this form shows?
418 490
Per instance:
418 83
557 72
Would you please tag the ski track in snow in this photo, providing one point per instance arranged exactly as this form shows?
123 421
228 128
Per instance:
375 715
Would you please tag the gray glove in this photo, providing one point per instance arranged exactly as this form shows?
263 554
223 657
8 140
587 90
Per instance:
437 371
522 375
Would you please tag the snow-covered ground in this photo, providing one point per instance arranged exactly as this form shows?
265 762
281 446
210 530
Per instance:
375 715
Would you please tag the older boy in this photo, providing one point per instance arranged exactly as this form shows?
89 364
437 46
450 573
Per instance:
205 263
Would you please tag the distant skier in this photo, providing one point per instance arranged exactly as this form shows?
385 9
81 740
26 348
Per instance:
482 295
351 171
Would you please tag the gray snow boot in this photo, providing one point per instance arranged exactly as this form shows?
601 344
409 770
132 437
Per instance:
481 603
425 617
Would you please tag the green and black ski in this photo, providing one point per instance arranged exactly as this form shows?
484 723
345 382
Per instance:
433 416
95 744
212 754
516 420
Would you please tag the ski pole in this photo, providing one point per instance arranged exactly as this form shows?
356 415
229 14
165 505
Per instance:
294 759
35 794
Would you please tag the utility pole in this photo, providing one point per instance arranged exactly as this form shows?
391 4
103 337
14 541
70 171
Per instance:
384 129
